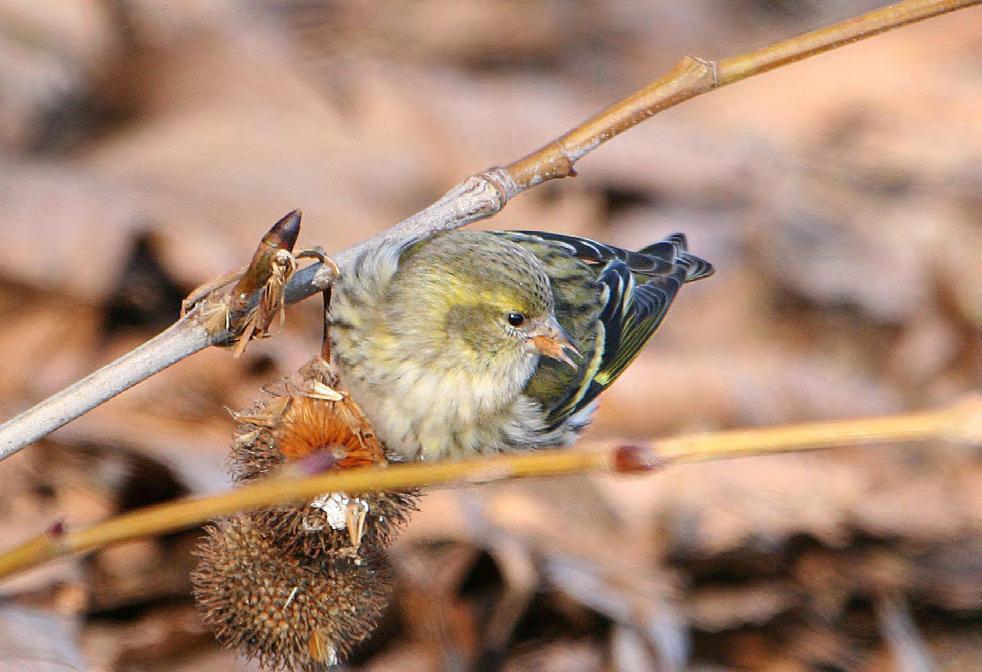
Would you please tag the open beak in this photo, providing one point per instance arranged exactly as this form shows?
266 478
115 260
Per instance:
551 340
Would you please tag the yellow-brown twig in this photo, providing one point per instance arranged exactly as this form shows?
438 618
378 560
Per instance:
962 422
694 76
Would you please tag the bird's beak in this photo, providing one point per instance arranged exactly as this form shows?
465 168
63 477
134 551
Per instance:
550 339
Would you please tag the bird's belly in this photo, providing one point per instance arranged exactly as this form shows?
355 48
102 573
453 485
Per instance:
431 417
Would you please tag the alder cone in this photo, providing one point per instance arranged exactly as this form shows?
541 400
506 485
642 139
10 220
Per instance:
312 419
289 611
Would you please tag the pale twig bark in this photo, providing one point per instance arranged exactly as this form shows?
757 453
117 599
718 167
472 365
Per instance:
962 423
475 198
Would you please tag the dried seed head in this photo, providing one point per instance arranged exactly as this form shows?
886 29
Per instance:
340 524
290 612
306 416
314 417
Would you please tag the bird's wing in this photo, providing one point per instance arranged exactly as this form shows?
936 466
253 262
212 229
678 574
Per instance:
631 294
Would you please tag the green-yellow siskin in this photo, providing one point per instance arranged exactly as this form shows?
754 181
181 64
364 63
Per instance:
472 342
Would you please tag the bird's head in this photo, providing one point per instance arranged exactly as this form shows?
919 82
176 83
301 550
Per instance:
511 320
493 298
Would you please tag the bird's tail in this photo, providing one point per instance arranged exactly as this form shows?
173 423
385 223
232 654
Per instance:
676 248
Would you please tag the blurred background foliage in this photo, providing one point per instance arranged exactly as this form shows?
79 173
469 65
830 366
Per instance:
146 145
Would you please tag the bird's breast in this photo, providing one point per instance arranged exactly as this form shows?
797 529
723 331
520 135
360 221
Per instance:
421 412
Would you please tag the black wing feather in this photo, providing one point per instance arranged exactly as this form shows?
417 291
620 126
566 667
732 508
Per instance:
657 258
638 288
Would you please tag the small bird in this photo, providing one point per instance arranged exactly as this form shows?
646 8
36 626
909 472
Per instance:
467 342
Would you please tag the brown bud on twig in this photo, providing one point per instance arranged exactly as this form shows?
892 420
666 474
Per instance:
281 237
256 300
315 421
289 611
635 459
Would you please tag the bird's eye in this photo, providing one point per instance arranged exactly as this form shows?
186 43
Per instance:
516 319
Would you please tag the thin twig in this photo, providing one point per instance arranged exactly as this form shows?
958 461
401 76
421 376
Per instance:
477 197
962 422
693 76
185 337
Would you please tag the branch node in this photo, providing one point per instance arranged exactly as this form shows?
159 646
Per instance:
634 459
694 75
56 530
478 197
501 180
711 66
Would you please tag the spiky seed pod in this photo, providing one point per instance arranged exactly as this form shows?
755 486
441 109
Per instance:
313 416
290 612
340 525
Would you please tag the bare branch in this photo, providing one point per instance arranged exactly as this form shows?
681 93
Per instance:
183 338
693 76
475 198
962 422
